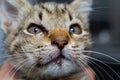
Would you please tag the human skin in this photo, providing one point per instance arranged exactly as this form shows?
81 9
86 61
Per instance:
7 72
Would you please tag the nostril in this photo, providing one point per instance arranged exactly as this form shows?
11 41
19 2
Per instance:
54 43
60 43
65 42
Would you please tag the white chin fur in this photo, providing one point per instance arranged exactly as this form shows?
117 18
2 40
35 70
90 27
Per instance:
53 70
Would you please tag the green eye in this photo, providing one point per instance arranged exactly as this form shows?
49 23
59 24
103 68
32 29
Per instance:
75 29
34 29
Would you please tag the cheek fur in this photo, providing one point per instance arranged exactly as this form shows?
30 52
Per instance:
76 51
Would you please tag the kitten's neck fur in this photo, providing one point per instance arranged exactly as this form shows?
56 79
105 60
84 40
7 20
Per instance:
77 76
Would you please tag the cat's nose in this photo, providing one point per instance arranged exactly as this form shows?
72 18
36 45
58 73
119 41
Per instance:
59 38
60 43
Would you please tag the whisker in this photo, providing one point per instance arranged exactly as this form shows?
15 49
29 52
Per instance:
7 56
25 61
96 8
31 69
101 54
98 72
102 69
82 64
12 69
105 65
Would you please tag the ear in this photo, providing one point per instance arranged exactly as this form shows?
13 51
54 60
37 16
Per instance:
83 7
9 12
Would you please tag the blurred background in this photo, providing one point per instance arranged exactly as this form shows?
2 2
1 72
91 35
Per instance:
105 30
105 26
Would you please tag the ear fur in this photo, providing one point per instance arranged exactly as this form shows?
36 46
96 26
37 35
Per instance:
9 11
83 7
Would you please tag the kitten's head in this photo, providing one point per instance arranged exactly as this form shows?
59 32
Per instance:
48 38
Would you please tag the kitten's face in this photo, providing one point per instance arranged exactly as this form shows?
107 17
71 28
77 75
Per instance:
50 39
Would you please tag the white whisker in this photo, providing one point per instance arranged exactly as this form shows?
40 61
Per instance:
97 8
31 69
105 65
102 69
82 64
98 72
25 61
101 54
12 69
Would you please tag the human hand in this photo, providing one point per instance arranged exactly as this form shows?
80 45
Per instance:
90 73
7 71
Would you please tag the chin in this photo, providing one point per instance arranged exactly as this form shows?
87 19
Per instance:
57 69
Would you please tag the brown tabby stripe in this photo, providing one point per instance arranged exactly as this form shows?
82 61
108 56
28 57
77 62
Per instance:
70 16
40 15
46 9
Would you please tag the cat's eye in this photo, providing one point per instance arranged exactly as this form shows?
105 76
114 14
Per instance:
75 29
34 29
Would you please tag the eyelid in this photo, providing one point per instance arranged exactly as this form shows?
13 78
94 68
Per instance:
39 26
32 24
75 25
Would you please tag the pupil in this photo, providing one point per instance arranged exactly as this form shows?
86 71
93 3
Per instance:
72 30
35 29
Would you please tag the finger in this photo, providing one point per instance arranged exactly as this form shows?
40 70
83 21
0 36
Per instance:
5 73
90 73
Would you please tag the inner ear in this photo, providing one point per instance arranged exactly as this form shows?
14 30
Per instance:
12 11
9 14
8 11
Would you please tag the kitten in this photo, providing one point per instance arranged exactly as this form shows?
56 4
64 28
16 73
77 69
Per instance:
46 41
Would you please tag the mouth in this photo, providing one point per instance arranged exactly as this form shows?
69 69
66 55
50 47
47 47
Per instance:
57 61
